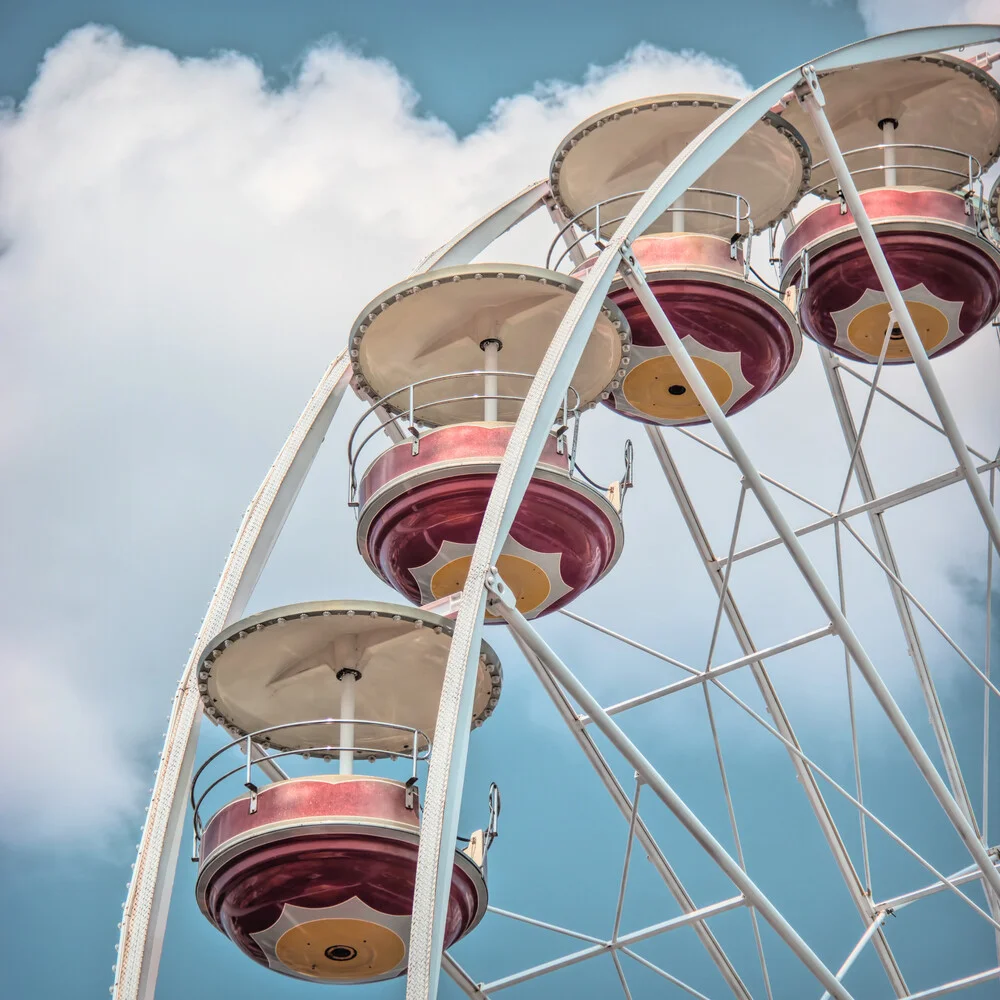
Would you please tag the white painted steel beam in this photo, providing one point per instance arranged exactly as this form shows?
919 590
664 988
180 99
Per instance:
776 710
879 505
646 840
751 894
474 239
956 984
935 711
968 874
145 912
704 676
624 940
462 979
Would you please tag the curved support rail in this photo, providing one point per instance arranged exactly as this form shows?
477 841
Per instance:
446 774
595 232
966 178
474 239
145 911
325 751
391 411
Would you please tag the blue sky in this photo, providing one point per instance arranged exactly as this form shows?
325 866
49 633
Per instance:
187 244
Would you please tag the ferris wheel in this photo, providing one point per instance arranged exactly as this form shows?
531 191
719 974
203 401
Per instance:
701 246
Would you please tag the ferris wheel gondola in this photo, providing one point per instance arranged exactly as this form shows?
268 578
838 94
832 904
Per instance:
427 354
313 876
743 339
917 135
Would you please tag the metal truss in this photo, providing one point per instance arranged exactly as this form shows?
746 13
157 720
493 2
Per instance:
148 898
447 772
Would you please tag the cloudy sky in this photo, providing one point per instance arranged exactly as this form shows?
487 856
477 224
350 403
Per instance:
195 201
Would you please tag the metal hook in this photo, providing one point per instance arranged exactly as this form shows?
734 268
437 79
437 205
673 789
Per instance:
625 483
491 829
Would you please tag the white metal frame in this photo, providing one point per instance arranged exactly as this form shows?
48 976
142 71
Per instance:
148 898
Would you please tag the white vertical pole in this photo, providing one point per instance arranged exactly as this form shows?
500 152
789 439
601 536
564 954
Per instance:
491 348
678 219
888 126
348 678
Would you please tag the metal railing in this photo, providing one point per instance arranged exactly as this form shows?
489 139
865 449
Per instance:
968 176
606 226
410 413
420 751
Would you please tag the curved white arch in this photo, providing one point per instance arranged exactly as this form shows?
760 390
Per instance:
447 770
145 910
477 237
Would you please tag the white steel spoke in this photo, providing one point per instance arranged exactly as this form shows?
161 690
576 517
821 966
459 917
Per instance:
923 610
723 668
816 769
968 874
855 752
666 975
986 670
867 413
462 979
858 948
805 776
887 556
876 505
541 923
752 894
767 479
736 831
724 595
956 984
642 834
724 590
629 642
635 937
628 859
621 975
909 409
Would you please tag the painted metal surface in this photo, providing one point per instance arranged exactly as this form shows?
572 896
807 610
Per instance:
420 516
436 324
745 340
938 101
659 786
283 665
948 274
317 882
626 147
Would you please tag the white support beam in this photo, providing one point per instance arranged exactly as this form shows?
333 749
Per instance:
776 710
148 901
646 840
751 894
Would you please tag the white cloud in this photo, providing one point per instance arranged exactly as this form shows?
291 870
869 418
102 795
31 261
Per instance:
67 775
185 251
